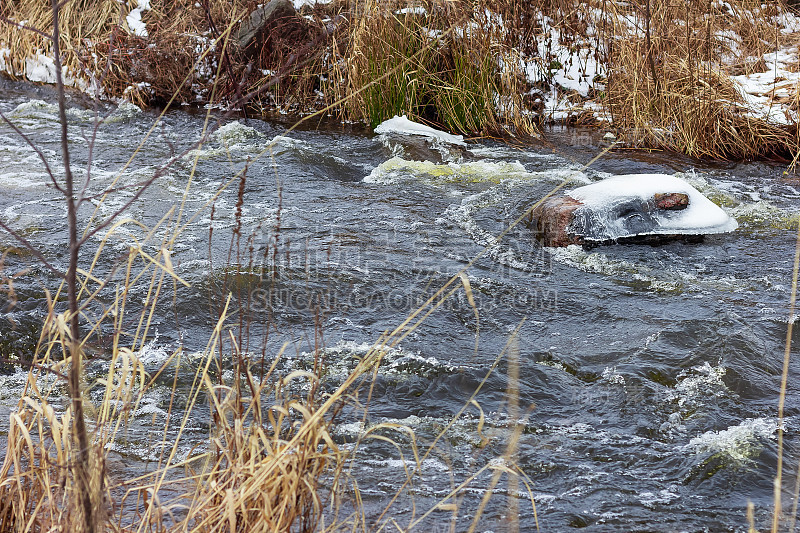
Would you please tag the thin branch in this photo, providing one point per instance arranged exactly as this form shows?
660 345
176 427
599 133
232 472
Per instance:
28 246
81 466
35 149
24 27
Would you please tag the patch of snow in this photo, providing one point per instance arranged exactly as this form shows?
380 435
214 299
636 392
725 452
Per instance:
404 126
4 53
141 86
765 92
40 68
416 10
788 22
572 68
134 19
300 3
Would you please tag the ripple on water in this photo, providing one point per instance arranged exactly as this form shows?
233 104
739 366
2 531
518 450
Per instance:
619 448
32 112
241 142
342 358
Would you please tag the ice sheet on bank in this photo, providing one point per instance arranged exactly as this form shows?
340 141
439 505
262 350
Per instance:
40 68
404 126
621 206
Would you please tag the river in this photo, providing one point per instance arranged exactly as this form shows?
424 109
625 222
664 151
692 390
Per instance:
648 375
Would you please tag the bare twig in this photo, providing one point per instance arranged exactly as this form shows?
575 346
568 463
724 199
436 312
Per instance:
81 465
32 249
36 149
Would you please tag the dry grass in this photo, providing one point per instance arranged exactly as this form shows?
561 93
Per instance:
448 63
178 60
80 24
441 66
668 89
266 465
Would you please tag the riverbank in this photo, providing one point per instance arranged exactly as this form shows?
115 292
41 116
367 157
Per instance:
718 80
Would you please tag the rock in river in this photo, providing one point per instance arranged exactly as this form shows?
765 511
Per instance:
638 207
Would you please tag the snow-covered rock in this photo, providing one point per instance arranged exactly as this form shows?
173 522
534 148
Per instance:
625 207
404 126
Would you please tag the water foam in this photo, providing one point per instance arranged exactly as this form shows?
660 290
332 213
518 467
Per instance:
397 169
740 443
342 358
29 112
700 382
124 112
234 133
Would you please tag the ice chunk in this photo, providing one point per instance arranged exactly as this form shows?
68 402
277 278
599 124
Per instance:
403 126
40 68
626 206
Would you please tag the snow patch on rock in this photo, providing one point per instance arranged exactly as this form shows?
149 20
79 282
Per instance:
404 126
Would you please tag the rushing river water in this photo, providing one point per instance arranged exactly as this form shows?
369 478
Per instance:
648 375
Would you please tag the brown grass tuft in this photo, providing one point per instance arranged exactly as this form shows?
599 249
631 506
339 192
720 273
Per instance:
441 66
667 88
81 23
267 463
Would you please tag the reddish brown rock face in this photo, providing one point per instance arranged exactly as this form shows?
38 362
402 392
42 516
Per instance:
673 201
551 220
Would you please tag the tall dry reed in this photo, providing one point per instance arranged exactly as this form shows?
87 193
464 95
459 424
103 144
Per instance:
440 62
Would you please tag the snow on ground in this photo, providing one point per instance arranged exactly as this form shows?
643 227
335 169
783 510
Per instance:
576 76
575 68
573 71
300 3
40 68
134 19
4 53
769 94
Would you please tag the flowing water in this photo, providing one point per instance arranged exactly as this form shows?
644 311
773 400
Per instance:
648 375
